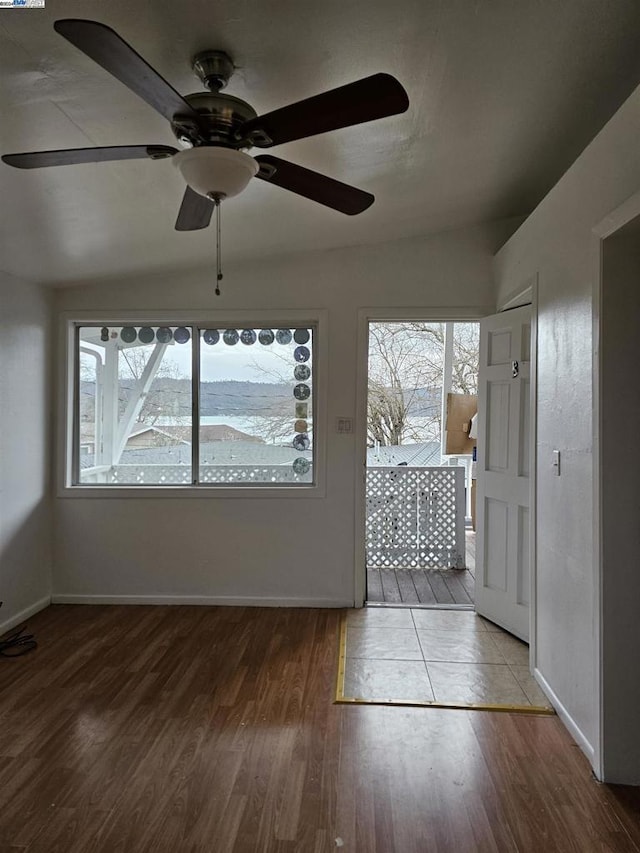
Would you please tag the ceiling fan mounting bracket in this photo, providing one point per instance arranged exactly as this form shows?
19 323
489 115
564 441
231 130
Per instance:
213 68
159 152
266 171
260 138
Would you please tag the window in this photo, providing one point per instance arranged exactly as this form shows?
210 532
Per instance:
172 405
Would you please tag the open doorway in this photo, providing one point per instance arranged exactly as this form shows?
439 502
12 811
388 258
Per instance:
445 654
420 514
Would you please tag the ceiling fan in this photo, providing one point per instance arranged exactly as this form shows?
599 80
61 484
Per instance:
214 128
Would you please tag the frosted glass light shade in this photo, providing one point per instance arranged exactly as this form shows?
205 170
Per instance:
214 171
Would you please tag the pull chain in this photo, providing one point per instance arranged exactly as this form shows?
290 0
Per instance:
218 247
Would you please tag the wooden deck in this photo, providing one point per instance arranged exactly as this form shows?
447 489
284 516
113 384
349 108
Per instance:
425 586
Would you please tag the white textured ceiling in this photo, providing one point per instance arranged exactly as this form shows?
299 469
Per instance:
504 94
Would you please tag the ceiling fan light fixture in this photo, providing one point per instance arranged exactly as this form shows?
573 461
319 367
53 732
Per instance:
215 172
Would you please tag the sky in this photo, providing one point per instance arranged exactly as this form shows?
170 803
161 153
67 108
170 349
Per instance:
240 362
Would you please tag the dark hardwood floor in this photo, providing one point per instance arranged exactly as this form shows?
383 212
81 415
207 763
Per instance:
181 730
425 586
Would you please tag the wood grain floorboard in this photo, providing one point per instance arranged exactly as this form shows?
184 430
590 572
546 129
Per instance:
374 585
439 587
467 579
212 730
390 588
420 586
455 586
423 587
406 586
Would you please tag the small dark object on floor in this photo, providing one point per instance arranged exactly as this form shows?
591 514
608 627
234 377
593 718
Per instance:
16 643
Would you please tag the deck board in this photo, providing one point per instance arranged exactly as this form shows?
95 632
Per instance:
439 587
468 581
425 586
390 588
457 589
407 588
374 585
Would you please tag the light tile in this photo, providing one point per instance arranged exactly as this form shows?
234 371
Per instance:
490 626
385 617
448 620
383 643
475 683
387 680
461 646
513 650
530 686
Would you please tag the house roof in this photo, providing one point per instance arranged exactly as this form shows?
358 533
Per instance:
181 434
503 97
208 432
218 453
419 455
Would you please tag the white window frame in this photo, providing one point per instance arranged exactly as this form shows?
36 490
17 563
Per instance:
316 319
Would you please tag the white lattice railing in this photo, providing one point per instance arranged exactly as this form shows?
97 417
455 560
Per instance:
415 518
180 475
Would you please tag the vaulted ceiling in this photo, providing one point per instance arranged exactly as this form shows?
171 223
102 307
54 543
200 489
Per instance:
504 94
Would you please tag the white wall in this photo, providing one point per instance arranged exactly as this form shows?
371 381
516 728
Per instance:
557 243
620 505
264 549
25 426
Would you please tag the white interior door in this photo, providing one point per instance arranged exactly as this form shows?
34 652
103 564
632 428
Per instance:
503 467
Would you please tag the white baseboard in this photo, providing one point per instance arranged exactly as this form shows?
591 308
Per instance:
24 614
574 729
206 600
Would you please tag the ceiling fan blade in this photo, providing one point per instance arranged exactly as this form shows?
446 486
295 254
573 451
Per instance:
195 211
313 185
69 156
104 46
367 99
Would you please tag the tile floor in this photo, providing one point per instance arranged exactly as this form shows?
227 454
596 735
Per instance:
445 656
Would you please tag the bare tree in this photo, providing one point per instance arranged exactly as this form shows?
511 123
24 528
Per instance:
275 421
405 378
169 395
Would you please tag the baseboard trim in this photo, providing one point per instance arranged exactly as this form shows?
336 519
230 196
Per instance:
205 600
24 614
574 729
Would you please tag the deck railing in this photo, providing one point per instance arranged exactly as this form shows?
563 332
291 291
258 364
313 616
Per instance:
415 518
180 475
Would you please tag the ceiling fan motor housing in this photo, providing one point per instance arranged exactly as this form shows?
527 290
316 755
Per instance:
220 117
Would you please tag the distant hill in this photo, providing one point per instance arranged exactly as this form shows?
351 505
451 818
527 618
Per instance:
244 398
216 398
234 398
